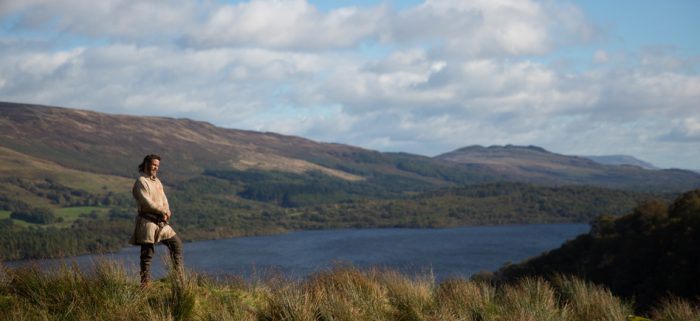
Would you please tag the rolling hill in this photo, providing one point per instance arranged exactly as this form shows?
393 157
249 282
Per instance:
227 182
621 160
109 144
537 165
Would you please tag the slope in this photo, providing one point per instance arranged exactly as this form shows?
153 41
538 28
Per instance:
647 255
537 165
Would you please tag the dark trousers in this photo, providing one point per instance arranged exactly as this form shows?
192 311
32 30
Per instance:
174 245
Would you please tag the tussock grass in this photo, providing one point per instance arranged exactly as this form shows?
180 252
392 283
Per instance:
675 309
459 299
531 299
587 301
343 293
348 294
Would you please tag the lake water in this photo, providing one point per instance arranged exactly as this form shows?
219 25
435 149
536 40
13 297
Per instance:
450 252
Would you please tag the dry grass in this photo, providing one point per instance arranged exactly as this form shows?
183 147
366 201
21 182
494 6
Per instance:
255 160
587 301
675 309
107 292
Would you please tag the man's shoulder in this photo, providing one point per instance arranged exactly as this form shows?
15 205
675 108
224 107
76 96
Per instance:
147 180
141 180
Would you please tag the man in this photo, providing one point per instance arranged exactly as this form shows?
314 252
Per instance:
152 219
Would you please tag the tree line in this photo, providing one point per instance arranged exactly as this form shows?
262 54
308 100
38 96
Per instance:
217 206
648 254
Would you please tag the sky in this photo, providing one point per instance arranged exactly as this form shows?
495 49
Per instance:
426 77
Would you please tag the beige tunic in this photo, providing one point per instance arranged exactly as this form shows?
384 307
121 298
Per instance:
150 198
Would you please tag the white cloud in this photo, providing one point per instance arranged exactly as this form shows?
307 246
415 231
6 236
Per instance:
123 19
490 28
601 56
440 75
291 24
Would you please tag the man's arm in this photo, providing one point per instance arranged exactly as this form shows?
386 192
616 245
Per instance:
168 213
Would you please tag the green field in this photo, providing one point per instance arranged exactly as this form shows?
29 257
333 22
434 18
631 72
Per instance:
69 215
73 213
6 214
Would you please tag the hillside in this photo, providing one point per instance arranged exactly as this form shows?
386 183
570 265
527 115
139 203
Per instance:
648 254
621 160
66 176
112 145
537 165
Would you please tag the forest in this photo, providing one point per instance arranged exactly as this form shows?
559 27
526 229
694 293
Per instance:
647 254
225 204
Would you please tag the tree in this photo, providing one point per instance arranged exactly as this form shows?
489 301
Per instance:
36 215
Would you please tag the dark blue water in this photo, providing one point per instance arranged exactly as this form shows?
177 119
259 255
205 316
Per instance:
452 252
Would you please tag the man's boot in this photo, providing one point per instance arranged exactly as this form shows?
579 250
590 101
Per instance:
147 252
174 245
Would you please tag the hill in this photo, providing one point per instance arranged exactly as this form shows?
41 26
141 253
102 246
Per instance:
66 175
647 254
536 165
112 144
621 160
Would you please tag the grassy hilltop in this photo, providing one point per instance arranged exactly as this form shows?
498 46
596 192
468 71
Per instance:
342 293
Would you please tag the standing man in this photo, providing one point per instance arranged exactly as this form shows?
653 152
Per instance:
152 219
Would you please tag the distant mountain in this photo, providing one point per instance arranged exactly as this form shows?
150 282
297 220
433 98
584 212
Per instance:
621 160
536 165
107 144
112 146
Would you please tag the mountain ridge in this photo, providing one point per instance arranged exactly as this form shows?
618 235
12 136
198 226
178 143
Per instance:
537 165
74 130
111 144
621 160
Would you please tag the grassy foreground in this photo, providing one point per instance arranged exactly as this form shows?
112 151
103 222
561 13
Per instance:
108 292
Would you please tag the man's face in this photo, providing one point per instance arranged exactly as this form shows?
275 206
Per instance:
153 168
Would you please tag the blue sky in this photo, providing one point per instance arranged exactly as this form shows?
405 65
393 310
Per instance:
637 24
425 77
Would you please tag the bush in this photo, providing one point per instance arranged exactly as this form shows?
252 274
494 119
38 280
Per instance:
36 216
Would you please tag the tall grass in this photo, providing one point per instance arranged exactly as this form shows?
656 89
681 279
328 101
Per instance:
459 299
675 309
108 292
587 301
348 294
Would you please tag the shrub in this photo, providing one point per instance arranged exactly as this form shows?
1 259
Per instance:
36 216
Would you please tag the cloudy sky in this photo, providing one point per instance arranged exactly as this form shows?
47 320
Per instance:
588 77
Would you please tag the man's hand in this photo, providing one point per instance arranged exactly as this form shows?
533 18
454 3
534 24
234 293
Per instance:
167 216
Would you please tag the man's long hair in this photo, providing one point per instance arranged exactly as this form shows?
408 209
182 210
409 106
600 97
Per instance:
147 162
